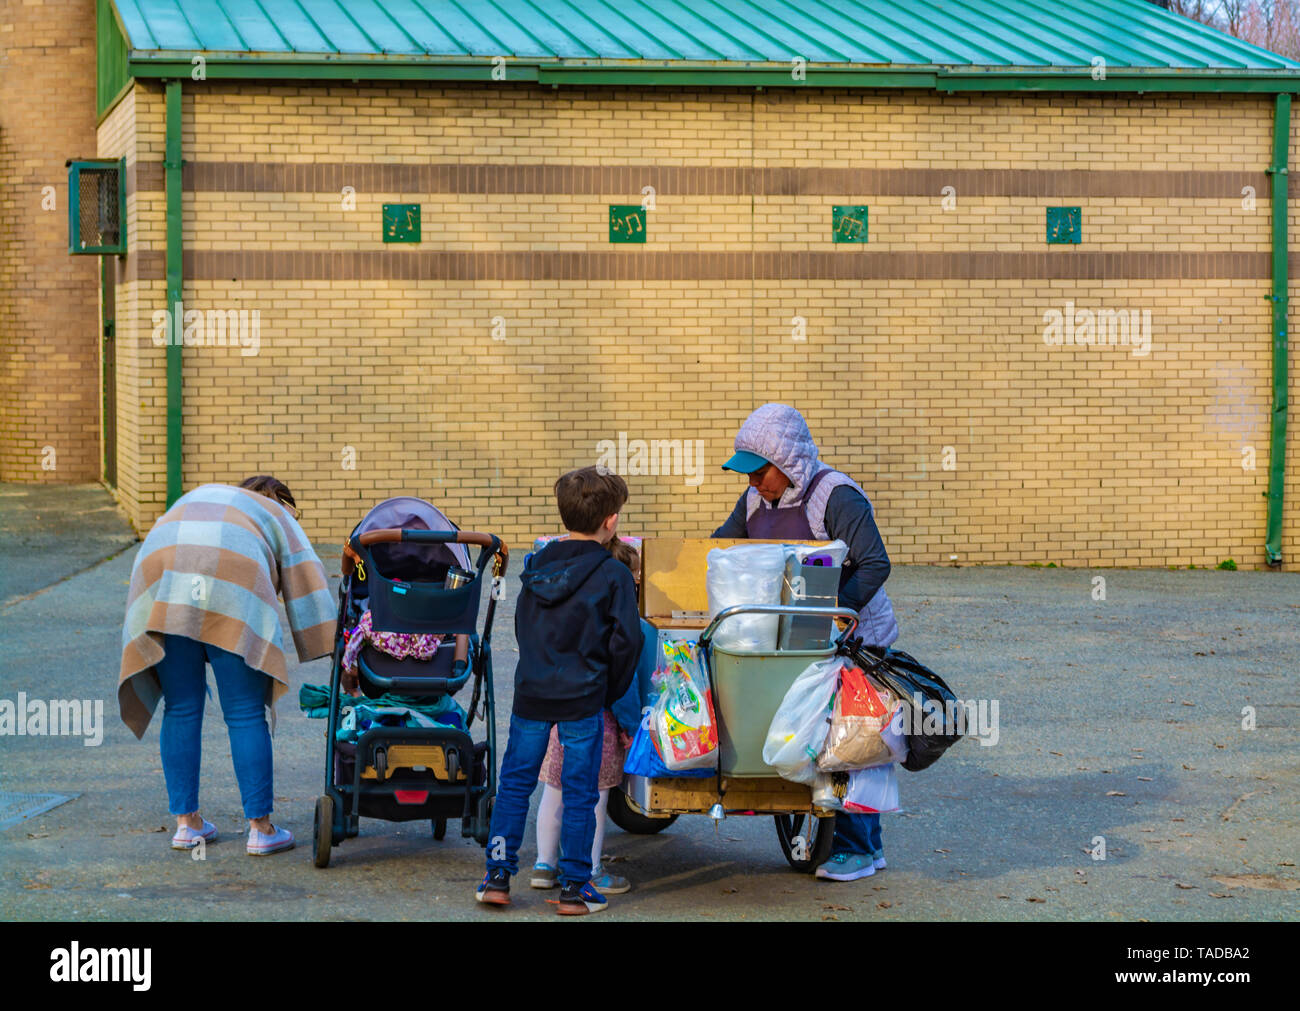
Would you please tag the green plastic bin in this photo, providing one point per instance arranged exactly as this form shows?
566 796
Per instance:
748 689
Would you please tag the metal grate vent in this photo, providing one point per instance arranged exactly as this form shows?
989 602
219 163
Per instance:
16 807
96 207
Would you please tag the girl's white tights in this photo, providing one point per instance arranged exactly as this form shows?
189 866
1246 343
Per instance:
549 814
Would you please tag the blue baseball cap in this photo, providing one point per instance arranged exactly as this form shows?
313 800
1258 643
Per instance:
745 463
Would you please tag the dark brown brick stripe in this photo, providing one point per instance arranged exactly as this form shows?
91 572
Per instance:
257 177
635 265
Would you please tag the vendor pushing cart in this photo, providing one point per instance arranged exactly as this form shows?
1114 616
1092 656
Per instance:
792 495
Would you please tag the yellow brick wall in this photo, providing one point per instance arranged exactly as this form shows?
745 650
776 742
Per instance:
133 130
49 312
1082 456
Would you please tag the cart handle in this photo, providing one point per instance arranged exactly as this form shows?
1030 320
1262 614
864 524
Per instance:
814 612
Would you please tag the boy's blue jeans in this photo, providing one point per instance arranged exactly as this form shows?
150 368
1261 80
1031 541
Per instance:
525 750
243 703
858 833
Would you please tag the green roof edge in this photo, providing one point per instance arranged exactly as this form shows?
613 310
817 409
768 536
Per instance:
288 66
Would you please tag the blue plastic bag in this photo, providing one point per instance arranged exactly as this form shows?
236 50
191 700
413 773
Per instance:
643 759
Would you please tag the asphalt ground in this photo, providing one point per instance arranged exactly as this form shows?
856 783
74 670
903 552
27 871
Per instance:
1126 719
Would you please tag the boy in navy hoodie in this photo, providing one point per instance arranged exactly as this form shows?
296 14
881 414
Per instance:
579 640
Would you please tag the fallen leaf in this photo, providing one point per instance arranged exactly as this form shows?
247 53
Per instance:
884 904
730 891
1002 896
1186 887
34 885
1116 793
1145 779
943 851
1220 895
842 909
1284 863
1058 754
37 835
1189 703
1033 898
1079 872
1177 819
830 916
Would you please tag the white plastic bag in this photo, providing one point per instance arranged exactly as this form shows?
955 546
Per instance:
746 574
894 737
798 729
872 790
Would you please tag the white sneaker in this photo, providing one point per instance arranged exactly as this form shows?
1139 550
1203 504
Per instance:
879 862
187 838
261 844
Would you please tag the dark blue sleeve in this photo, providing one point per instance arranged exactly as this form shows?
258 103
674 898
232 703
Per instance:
849 519
627 710
737 524
626 638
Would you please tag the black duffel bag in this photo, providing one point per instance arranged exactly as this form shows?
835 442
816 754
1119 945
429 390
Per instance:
940 718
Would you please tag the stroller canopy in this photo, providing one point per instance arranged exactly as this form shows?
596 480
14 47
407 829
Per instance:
405 561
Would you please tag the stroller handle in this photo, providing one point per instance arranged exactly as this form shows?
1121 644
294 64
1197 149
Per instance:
391 534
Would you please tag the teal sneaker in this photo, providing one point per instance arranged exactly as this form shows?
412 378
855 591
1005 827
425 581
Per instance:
847 867
879 861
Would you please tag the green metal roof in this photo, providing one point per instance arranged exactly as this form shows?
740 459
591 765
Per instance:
847 42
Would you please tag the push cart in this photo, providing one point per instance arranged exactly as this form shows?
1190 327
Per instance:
747 690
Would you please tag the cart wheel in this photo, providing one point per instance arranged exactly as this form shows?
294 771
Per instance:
453 764
801 852
622 815
381 763
439 827
323 829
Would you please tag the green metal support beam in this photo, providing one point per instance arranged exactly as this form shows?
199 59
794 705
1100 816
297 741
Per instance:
1277 433
175 235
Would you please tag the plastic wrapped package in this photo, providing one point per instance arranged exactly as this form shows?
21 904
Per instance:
682 723
837 550
873 790
746 574
860 713
824 791
800 724
643 758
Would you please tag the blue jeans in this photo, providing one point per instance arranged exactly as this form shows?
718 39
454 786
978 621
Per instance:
243 703
525 750
857 833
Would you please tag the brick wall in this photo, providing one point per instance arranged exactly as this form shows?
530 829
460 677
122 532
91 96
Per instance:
49 308
918 359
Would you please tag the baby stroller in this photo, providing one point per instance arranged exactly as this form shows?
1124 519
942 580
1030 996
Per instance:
395 565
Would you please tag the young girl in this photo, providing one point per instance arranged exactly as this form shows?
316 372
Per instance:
617 737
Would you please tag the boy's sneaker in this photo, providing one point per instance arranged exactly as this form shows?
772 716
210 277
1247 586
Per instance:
494 889
879 861
609 884
847 867
579 900
262 844
543 876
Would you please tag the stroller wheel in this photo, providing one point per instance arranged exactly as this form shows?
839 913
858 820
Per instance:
439 827
323 830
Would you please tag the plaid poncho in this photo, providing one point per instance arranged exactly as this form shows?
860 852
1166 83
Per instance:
211 569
